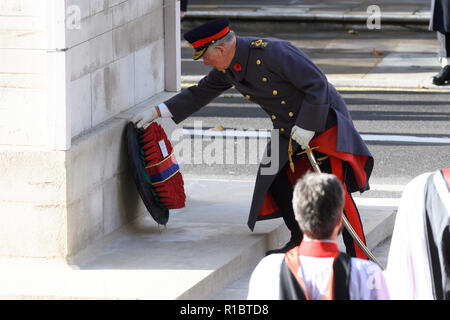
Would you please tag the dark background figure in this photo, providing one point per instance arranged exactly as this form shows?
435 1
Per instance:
440 22
183 8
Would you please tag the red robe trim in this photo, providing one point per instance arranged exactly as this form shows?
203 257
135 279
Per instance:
318 249
446 175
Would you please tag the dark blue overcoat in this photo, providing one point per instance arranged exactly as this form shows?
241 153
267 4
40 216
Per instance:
292 90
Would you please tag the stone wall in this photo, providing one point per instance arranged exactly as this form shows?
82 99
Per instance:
116 58
72 74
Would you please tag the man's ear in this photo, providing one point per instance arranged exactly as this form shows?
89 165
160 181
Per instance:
339 224
221 49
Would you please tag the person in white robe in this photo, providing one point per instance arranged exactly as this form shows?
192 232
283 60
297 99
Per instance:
418 261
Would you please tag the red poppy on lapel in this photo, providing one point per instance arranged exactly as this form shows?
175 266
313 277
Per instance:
237 67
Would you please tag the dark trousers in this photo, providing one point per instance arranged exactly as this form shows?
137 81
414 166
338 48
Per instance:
282 193
183 5
444 44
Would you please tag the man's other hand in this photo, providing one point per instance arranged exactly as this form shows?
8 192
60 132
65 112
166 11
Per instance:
302 136
146 116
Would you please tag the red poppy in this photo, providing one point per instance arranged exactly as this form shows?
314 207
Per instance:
237 67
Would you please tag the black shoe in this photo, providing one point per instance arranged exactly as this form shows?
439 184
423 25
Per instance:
288 246
442 77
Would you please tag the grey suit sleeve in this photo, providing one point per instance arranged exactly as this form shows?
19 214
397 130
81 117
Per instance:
302 73
194 98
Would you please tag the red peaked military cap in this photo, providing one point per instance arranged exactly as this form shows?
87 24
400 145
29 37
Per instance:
202 37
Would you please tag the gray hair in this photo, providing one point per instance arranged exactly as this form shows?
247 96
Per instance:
318 201
223 41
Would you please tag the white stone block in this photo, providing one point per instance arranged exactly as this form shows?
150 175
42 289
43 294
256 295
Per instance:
172 46
55 24
37 177
85 220
98 6
81 105
23 61
32 230
124 12
83 6
138 34
121 202
89 28
95 157
113 3
149 71
23 23
58 97
23 117
149 27
23 39
112 89
22 81
90 55
21 68
148 6
21 8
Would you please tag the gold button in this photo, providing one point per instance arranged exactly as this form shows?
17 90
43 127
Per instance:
247 97
264 79
224 71
282 129
283 102
274 117
275 92
291 114
233 86
258 62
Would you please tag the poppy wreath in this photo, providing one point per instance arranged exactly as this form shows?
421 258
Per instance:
237 67
161 168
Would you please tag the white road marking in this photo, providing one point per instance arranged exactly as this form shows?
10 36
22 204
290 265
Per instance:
239 133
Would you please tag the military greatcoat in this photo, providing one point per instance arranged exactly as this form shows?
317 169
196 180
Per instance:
292 90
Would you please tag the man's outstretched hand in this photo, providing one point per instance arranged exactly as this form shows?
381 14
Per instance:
302 136
146 116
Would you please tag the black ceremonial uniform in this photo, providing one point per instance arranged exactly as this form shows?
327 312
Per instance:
292 91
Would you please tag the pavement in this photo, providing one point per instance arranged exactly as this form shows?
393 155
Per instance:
351 55
391 11
207 251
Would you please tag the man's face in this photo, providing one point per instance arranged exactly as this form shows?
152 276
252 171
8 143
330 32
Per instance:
216 58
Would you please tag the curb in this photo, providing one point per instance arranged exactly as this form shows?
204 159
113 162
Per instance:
345 86
403 18
235 268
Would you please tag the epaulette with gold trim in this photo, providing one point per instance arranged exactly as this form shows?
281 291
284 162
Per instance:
258 44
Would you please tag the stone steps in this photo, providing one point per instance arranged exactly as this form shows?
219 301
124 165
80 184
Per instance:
205 247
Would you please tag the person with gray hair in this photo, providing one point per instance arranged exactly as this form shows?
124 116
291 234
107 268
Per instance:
318 202
316 269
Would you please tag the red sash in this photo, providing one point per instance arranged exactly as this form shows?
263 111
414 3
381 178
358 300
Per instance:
314 248
327 145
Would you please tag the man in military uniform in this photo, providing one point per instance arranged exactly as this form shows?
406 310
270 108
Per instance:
304 107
